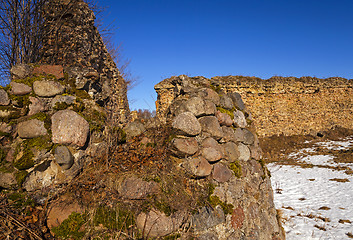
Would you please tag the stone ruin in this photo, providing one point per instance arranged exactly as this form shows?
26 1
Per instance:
213 137
55 118
72 40
49 127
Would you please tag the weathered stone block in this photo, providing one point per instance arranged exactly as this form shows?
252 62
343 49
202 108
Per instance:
69 128
221 173
198 166
63 157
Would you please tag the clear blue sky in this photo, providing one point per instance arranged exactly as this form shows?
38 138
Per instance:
258 38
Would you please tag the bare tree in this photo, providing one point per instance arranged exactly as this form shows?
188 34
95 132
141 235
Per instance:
20 33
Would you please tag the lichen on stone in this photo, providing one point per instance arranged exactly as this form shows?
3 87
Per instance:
236 168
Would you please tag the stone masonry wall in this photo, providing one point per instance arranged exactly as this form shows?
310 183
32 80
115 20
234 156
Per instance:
71 39
289 106
213 138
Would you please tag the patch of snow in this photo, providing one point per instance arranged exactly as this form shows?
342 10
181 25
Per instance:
306 190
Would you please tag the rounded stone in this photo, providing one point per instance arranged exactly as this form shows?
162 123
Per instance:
63 157
239 119
211 154
69 128
196 105
244 152
237 100
211 125
20 88
185 146
47 88
186 123
231 151
199 167
226 102
31 129
221 173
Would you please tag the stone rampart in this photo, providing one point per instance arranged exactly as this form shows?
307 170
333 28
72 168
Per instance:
288 106
294 106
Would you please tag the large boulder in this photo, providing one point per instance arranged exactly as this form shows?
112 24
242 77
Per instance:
186 123
47 88
69 128
211 125
185 146
31 129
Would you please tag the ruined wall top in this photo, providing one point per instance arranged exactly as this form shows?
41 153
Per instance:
71 39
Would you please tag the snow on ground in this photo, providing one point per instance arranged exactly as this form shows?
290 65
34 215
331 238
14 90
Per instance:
313 206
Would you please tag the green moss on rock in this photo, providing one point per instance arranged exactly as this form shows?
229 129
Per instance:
229 112
227 208
70 228
236 168
20 177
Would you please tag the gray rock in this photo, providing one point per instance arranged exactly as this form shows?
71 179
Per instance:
237 100
63 157
198 167
37 105
231 151
7 180
156 224
244 152
211 125
224 119
210 142
196 106
210 107
42 176
186 123
244 135
136 188
47 88
209 94
239 119
31 129
69 128
20 88
249 138
20 71
208 217
211 154
4 98
185 146
226 102
228 134
221 173
134 129
63 99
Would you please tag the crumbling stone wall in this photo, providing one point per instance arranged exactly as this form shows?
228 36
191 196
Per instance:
295 106
49 129
289 106
71 39
214 139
